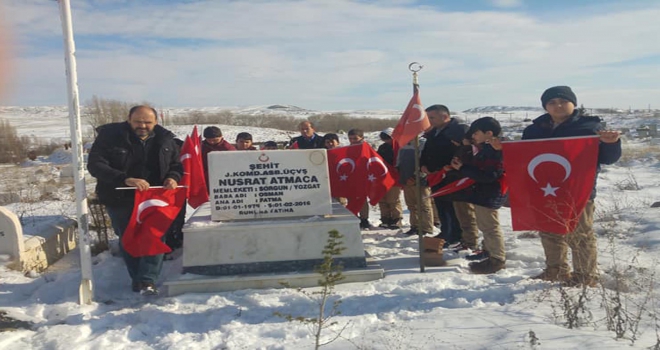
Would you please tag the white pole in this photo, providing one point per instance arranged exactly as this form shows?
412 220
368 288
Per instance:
86 291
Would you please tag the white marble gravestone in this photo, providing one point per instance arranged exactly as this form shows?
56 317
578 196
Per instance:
11 235
246 241
246 185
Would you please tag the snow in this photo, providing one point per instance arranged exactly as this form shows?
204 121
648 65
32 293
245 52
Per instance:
442 308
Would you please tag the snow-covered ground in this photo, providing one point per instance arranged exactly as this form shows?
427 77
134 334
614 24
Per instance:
443 308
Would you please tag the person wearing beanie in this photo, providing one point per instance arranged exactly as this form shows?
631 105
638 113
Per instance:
563 92
213 142
390 205
486 169
564 120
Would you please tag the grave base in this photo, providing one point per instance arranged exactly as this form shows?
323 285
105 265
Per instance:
232 255
209 284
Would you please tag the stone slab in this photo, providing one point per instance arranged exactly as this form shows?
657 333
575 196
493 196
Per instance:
11 236
205 284
272 245
56 237
249 185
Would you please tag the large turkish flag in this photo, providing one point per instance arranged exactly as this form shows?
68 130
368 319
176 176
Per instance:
193 170
348 173
412 123
358 172
380 176
550 181
153 213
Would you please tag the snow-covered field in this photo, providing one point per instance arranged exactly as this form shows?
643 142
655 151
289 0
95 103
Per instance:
443 308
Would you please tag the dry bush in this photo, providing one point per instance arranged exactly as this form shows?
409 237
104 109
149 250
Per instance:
334 122
99 111
630 154
12 147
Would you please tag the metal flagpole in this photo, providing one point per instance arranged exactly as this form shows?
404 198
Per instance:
86 291
416 67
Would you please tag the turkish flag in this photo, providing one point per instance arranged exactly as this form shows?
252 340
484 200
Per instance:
153 213
380 175
452 187
357 171
355 204
347 171
435 178
412 123
193 170
550 181
185 157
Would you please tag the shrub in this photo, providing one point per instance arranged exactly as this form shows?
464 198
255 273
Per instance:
12 148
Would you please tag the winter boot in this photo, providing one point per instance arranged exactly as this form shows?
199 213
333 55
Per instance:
411 232
395 224
553 274
478 255
490 265
364 224
385 222
148 289
578 280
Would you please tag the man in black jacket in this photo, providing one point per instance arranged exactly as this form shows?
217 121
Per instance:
135 153
308 138
442 143
564 120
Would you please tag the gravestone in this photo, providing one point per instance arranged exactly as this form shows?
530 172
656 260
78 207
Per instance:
247 185
643 131
36 252
11 236
266 223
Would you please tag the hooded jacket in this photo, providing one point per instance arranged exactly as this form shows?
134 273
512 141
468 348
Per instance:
576 125
117 154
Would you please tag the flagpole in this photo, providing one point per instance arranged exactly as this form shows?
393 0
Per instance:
86 290
415 67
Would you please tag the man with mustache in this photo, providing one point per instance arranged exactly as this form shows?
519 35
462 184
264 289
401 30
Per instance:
136 153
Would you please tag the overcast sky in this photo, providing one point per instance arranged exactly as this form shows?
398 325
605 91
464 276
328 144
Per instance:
338 54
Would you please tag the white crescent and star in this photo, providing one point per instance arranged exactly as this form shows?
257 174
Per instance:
421 114
148 204
184 157
343 161
548 190
379 161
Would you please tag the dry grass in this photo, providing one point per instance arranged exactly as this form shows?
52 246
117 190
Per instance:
631 154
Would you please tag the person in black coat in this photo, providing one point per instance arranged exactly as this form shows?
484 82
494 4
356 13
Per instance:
391 211
442 143
564 120
308 138
135 153
486 169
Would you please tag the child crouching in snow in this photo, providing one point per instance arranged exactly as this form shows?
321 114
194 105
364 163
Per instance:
486 169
